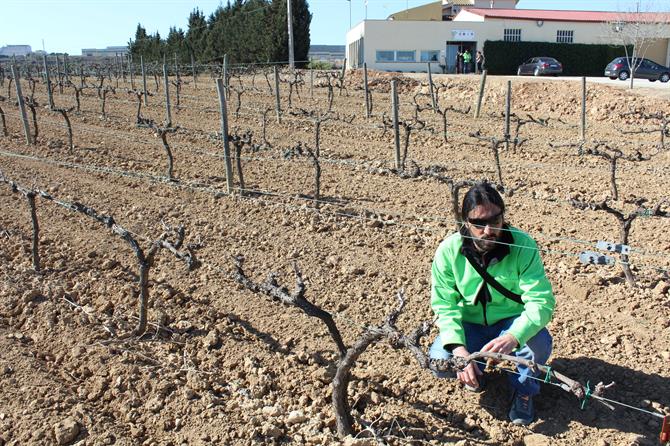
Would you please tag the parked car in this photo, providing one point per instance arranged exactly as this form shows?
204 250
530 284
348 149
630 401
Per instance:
645 69
540 66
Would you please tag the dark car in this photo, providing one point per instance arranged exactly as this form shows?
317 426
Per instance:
644 69
540 66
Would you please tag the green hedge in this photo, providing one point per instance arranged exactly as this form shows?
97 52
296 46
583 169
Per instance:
577 59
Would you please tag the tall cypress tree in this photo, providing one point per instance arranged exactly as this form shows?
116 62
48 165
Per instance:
246 30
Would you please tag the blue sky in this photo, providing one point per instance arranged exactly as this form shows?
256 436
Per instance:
70 25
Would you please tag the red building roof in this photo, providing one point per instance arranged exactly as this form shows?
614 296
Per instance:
571 16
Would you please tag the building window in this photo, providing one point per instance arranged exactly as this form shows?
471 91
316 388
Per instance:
512 35
405 56
565 36
430 56
385 56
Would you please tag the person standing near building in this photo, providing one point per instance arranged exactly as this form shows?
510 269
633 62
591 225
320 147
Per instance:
467 59
479 60
459 62
490 293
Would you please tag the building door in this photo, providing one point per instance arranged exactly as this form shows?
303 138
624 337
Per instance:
452 51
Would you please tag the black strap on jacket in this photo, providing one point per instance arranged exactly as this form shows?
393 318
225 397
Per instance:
491 281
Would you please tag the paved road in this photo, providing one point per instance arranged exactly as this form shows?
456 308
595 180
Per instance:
641 86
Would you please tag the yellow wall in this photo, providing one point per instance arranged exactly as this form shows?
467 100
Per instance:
658 52
430 11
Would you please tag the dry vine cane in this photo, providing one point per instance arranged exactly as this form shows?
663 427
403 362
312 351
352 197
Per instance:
613 156
162 132
239 142
386 331
139 120
103 99
318 118
625 223
300 150
64 112
30 197
32 105
663 129
520 122
494 144
2 118
145 259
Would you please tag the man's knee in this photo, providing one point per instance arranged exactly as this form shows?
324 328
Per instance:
540 346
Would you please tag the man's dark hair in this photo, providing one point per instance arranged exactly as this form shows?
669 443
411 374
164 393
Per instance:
481 193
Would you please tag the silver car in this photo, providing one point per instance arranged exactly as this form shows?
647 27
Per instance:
540 66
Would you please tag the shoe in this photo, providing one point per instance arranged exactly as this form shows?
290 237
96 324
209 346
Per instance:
522 411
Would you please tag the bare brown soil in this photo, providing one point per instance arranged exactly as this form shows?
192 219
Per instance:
225 366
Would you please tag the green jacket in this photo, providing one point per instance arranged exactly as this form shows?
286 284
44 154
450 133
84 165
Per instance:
456 285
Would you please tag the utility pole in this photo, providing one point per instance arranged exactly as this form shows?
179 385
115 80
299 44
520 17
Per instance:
291 55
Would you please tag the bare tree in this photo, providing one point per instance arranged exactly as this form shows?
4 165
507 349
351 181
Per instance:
637 31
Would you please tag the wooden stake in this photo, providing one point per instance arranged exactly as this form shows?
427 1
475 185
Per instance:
168 114
367 91
144 80
220 88
396 128
583 129
508 106
430 84
482 86
277 104
22 106
48 80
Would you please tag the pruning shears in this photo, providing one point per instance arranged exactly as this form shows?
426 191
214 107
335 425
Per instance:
665 431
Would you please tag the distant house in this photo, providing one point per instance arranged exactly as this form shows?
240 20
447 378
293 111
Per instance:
15 50
437 31
110 51
327 53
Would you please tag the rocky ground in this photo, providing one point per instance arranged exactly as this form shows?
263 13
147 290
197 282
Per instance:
224 365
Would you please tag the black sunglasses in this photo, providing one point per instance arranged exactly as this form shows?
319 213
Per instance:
493 220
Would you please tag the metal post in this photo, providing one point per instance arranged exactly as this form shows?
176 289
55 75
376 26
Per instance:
508 106
176 67
144 80
396 129
22 105
46 75
81 76
291 54
277 104
367 91
195 75
220 88
583 109
482 86
430 85
168 114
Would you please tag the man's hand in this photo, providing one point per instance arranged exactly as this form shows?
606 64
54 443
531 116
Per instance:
470 373
504 344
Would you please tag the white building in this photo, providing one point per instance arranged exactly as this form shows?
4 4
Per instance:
110 51
15 50
409 39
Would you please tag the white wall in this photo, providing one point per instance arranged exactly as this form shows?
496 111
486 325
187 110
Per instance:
431 35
